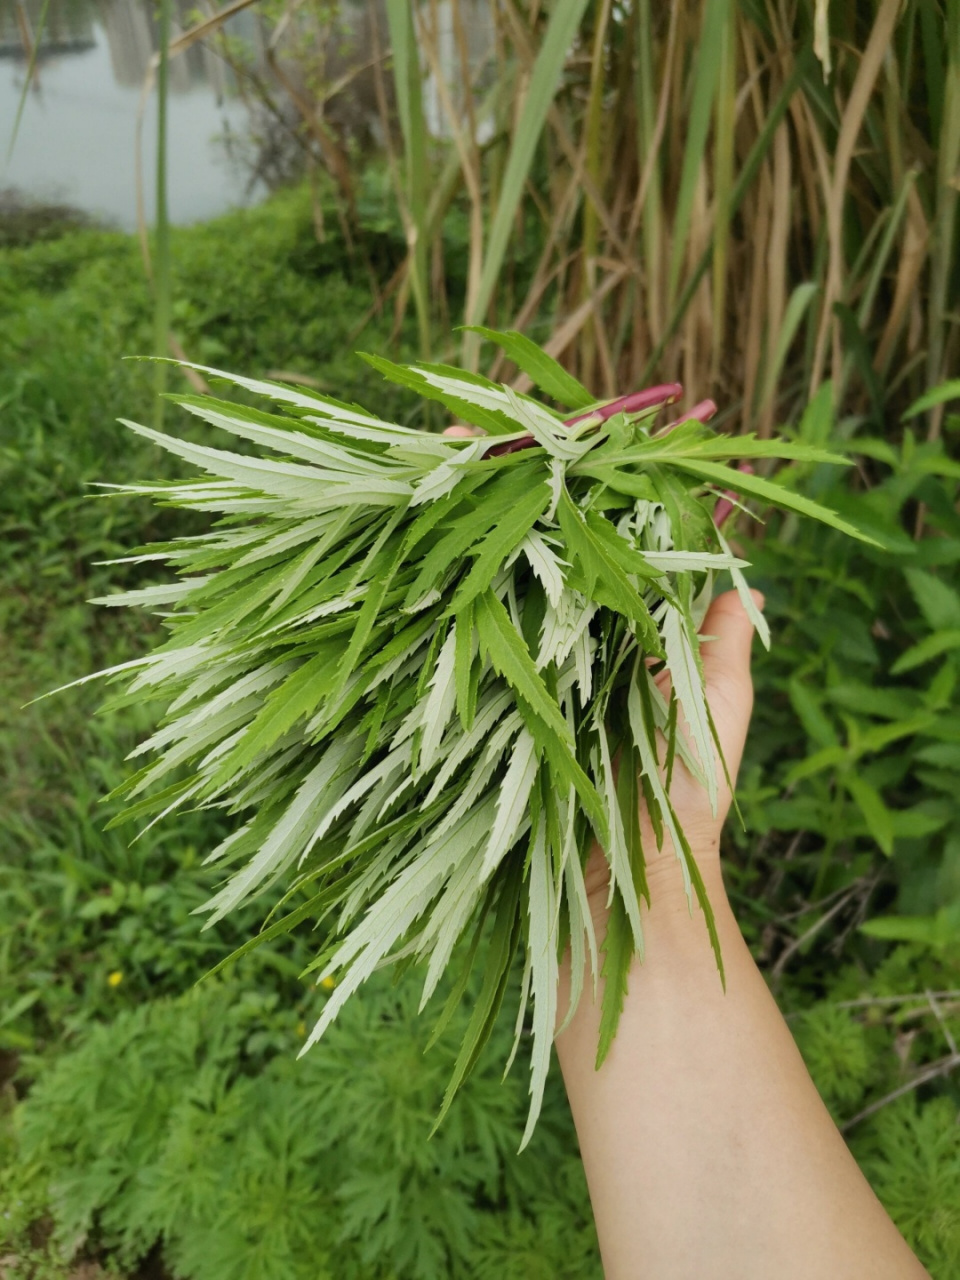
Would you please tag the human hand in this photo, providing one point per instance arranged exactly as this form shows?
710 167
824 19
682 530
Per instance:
726 637
707 1149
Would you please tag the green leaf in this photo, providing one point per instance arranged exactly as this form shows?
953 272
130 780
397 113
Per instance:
381 574
605 581
312 908
504 936
542 715
810 714
543 371
742 588
937 931
882 735
544 968
455 996
772 492
469 523
817 423
629 559
915 823
937 600
511 658
641 720
932 647
618 954
278 432
938 395
458 501
826 758
875 812
628 799
494 422
700 889
504 537
464 666
689 687
298 696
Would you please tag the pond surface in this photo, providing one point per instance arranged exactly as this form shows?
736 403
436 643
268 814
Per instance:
76 143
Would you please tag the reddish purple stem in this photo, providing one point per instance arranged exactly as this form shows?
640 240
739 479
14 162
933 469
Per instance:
701 412
728 499
636 402
510 446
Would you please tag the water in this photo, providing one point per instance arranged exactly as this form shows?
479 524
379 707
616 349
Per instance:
76 143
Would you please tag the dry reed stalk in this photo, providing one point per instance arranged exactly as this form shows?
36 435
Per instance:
737 185
852 121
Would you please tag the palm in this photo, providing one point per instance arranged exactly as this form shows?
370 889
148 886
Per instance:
726 660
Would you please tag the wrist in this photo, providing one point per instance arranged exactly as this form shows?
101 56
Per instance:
677 947
673 894
670 899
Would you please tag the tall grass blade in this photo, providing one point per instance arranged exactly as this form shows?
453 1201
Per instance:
649 139
851 123
28 79
800 300
705 78
161 274
407 80
947 197
547 70
723 175
747 174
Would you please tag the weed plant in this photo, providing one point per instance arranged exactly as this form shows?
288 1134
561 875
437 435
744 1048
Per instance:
137 1110
67 885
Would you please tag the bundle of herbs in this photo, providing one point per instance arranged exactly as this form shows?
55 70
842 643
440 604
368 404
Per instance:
407 663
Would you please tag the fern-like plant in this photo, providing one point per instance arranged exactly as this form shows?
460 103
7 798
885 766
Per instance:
406 663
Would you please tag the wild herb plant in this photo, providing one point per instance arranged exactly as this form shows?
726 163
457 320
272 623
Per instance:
216 1143
244 1164
856 788
407 664
78 904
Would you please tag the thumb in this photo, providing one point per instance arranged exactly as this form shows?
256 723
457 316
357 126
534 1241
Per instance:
726 637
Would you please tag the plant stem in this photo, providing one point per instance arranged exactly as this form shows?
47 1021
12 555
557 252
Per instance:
161 314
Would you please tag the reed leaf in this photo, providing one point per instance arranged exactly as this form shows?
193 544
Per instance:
548 68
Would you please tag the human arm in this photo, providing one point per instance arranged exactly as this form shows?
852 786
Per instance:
708 1152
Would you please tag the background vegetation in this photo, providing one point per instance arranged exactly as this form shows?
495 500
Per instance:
650 191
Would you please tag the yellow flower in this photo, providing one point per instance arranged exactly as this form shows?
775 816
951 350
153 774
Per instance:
328 983
114 979
301 1028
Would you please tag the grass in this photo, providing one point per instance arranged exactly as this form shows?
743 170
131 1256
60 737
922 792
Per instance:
749 199
779 238
95 927
247 292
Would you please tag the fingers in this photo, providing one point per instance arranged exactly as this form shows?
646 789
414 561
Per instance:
727 635
460 431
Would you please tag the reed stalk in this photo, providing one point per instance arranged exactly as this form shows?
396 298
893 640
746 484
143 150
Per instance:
750 199
759 199
161 266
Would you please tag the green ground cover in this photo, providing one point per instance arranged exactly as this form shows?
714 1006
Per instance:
148 1123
